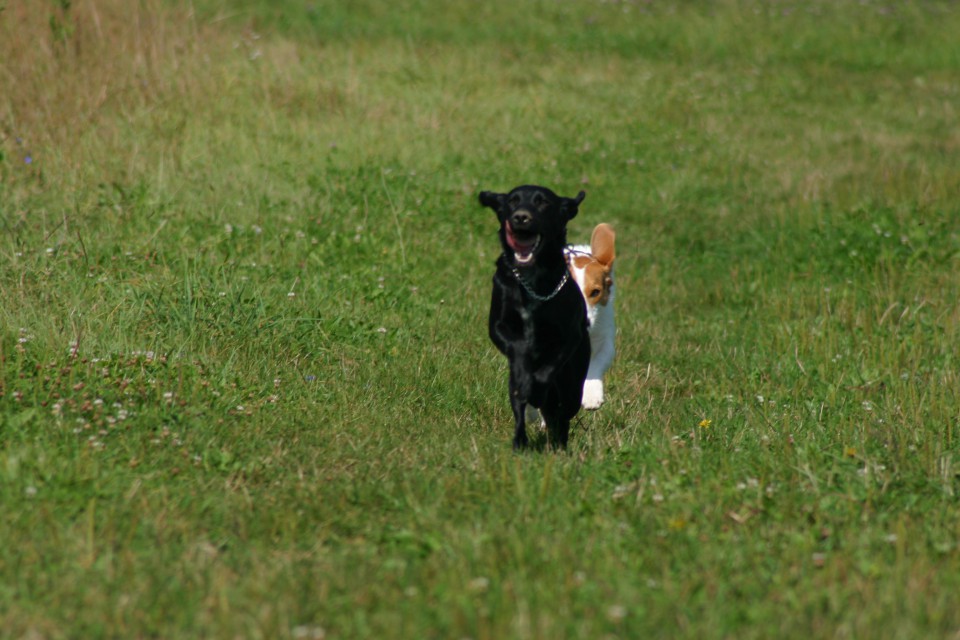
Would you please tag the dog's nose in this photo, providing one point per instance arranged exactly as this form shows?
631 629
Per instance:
520 219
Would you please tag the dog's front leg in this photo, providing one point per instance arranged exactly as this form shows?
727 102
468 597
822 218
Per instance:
518 402
558 430
600 360
559 356
547 370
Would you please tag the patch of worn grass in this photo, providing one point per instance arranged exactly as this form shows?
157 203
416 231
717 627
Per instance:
245 384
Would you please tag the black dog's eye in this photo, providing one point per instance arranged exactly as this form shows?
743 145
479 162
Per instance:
539 201
595 293
514 200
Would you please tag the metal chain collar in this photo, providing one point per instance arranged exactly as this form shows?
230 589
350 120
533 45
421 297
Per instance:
533 294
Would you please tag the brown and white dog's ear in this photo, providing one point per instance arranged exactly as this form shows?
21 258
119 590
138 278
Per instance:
493 200
602 244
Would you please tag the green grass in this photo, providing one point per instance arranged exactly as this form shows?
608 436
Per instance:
245 384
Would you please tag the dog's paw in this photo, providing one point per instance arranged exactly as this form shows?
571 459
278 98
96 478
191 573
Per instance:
592 394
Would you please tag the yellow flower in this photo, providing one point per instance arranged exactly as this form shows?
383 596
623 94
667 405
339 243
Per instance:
705 423
849 452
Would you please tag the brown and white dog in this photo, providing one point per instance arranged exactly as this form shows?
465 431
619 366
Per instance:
592 268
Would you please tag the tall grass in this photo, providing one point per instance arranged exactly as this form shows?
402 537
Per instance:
245 385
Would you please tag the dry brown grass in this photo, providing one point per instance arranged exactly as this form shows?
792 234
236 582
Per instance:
76 70
110 91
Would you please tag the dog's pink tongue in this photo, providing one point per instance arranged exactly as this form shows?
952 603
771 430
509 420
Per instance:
516 244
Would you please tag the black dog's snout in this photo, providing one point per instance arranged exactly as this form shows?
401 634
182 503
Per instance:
520 219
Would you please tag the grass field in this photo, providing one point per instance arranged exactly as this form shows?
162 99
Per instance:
246 389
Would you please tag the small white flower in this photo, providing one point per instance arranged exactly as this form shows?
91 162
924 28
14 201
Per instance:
479 585
620 491
304 632
616 613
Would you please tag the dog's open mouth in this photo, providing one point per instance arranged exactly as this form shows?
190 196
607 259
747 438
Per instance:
523 243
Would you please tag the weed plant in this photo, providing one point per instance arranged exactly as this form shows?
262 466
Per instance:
245 384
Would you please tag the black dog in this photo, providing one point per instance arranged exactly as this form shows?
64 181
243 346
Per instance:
537 316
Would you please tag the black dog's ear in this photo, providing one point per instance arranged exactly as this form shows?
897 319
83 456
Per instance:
492 200
571 206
